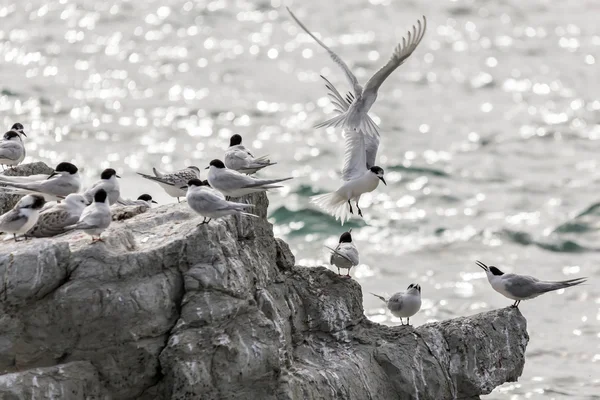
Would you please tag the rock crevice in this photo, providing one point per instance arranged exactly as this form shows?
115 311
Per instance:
166 309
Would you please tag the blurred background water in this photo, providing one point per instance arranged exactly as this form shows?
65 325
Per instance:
490 137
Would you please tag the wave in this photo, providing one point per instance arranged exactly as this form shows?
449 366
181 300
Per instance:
313 221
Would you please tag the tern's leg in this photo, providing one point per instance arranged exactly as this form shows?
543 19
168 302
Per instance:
359 210
408 321
15 237
227 198
348 273
401 322
350 205
179 201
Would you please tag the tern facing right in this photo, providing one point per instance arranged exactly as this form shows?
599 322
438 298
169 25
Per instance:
54 219
523 287
234 184
12 150
238 158
355 117
23 216
95 218
404 304
173 182
210 204
345 255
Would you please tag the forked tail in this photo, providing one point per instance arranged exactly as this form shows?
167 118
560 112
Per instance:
334 204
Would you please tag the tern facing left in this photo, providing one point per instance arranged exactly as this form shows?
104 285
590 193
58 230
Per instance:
355 117
238 158
345 255
523 287
95 218
234 184
23 216
404 304
210 204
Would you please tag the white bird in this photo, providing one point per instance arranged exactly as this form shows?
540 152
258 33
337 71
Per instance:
95 218
238 158
355 117
172 183
234 184
345 255
523 287
53 220
23 215
210 204
404 304
63 181
108 182
144 200
12 149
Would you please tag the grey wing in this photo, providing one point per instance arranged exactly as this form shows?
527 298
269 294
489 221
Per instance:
235 180
11 150
396 302
401 54
337 100
11 220
185 175
352 254
157 179
522 285
371 147
349 75
94 219
355 156
209 201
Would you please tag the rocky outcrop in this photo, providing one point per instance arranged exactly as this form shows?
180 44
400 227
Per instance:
167 309
8 201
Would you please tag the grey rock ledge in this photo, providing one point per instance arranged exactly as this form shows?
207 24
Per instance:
165 309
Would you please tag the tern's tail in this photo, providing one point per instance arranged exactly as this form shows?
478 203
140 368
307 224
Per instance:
266 183
379 297
352 120
155 178
334 204
550 286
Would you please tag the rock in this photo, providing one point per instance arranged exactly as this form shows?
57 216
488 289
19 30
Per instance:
8 201
167 309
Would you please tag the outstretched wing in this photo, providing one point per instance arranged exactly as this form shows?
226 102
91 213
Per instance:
337 100
349 75
401 53
371 147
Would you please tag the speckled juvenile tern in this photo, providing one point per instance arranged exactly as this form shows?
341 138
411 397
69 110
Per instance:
172 183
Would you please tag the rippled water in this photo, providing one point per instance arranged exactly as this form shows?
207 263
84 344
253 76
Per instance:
490 136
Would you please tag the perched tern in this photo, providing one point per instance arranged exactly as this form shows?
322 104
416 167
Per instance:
63 181
53 220
234 184
345 255
238 158
210 204
12 149
23 216
96 217
144 200
355 117
172 183
404 304
108 182
523 287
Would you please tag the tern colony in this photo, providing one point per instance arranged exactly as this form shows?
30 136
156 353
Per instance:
53 204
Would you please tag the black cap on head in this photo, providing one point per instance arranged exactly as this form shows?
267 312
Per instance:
100 196
415 286
346 237
66 167
205 183
217 163
235 140
194 182
108 173
379 172
496 271
145 197
38 202
11 134
17 127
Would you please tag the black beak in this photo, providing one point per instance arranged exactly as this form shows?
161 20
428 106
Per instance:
52 174
23 133
183 187
383 180
118 176
207 167
153 201
482 266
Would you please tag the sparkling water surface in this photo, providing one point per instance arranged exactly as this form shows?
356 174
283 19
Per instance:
490 137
